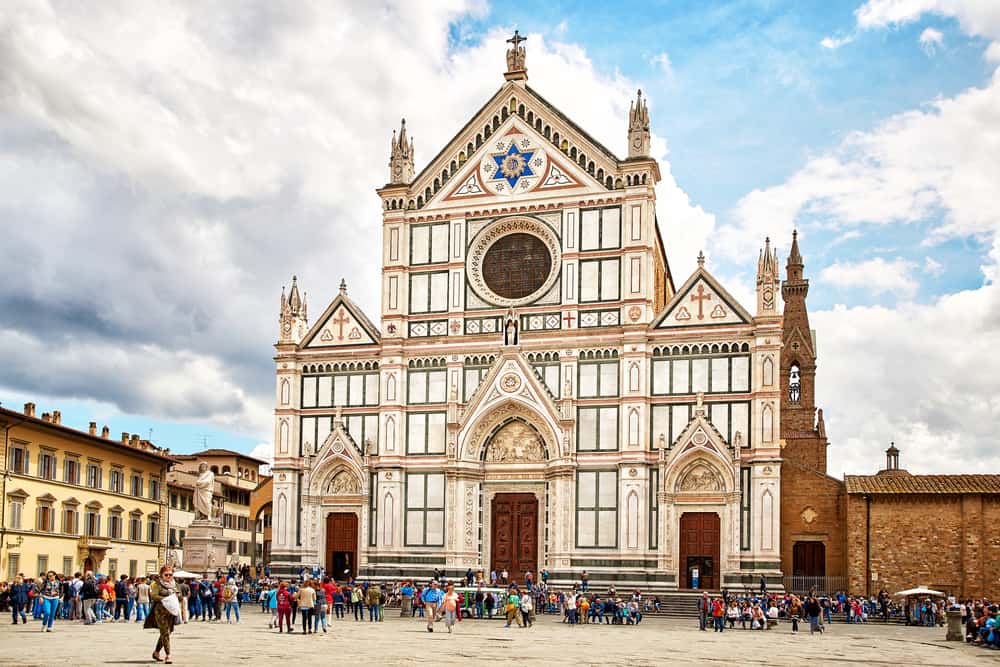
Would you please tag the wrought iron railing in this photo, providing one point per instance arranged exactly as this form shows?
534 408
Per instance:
819 585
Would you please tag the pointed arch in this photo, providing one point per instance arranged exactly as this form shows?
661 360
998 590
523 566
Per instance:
390 387
281 519
633 377
388 519
767 424
286 392
767 520
390 433
633 427
768 371
283 437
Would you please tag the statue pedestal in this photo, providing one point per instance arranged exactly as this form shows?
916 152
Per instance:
204 547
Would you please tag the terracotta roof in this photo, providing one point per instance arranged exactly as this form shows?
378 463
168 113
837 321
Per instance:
222 452
915 484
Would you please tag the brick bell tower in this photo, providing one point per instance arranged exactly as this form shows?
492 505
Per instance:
801 427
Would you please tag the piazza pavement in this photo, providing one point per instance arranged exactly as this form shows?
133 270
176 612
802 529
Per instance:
406 642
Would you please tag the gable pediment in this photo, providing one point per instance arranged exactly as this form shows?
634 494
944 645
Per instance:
702 301
341 324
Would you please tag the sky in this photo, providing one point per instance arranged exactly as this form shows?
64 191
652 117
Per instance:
166 167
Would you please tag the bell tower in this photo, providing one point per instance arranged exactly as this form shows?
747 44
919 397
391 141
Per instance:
401 157
293 317
638 128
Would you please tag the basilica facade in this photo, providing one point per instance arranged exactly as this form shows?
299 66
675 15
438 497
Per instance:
541 391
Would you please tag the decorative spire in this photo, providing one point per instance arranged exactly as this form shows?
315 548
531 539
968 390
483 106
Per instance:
401 157
794 266
516 69
294 301
343 287
293 319
638 128
768 280
701 259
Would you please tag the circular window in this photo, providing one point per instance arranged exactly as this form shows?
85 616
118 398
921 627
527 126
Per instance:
514 261
516 266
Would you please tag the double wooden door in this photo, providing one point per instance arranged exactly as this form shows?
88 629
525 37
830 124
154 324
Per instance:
809 559
515 534
342 545
699 550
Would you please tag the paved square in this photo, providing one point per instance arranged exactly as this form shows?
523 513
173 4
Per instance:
402 642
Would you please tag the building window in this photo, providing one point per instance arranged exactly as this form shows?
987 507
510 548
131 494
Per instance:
242 522
340 389
115 525
426 386
428 244
244 548
600 228
425 432
794 383
173 500
654 508
473 373
133 569
67 565
425 509
13 566
363 430
429 292
19 459
172 539
154 489
47 465
598 379
706 374
70 521
135 528
94 475
117 480
546 366
153 534
135 487
182 533
93 523
15 506
71 471
669 421
599 280
45 519
43 563
745 492
597 429
597 509
112 570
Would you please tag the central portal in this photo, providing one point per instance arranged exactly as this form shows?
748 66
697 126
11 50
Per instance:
699 550
515 534
342 545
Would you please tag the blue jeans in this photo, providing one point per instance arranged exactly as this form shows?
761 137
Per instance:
319 617
141 611
233 606
372 613
49 609
99 610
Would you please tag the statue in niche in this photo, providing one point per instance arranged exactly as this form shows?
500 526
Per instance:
510 329
343 483
700 478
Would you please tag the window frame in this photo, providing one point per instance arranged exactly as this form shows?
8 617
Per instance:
411 372
424 509
597 508
597 435
598 363
600 228
600 279
430 291
68 462
430 243
19 450
444 445
670 360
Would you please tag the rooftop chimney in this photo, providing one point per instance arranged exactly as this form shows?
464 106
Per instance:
135 440
105 432
46 417
124 438
56 417
92 430
29 409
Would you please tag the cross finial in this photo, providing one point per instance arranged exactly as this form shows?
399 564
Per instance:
516 70
343 286
516 39
701 259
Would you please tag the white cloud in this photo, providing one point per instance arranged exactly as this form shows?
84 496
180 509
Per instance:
976 17
923 375
992 53
662 61
265 452
931 40
874 275
834 43
192 160
933 267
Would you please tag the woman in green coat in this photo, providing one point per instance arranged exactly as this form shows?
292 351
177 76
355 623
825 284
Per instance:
159 616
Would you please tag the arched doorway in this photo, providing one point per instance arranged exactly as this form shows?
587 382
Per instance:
342 545
699 550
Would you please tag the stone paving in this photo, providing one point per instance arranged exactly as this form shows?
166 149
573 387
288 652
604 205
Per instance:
403 642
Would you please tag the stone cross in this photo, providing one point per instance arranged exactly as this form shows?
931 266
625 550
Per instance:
341 320
700 298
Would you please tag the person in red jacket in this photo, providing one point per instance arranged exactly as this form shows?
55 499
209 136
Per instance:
284 598
719 615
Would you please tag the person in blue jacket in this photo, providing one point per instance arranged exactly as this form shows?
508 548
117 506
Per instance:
432 598
19 599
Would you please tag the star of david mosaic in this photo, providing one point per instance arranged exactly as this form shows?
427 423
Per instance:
513 165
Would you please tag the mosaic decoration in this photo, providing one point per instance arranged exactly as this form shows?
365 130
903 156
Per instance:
516 165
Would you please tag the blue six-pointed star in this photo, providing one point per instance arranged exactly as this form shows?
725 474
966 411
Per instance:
513 164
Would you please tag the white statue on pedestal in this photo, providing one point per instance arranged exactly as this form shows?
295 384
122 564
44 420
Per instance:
203 488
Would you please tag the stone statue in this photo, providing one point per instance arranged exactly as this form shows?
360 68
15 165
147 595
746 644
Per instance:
515 54
203 488
343 483
700 478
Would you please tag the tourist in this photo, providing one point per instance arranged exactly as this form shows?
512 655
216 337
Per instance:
449 605
489 602
371 601
584 581
718 615
479 600
284 606
272 605
320 609
431 599
527 607
306 596
795 611
142 600
50 596
704 610
513 607
230 597
160 617
121 598
812 613
732 614
19 599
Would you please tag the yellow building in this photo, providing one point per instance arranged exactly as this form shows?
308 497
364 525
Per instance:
76 501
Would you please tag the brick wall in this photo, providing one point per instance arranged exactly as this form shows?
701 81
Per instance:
944 542
808 494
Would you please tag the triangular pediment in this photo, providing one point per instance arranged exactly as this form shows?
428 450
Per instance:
341 324
700 458
466 168
702 301
339 452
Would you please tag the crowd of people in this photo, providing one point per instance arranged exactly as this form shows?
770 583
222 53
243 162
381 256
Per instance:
981 619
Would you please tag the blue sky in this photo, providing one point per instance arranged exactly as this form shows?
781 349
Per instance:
193 163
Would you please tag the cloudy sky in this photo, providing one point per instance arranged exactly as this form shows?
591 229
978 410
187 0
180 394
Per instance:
165 167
